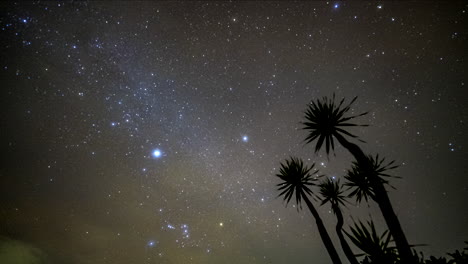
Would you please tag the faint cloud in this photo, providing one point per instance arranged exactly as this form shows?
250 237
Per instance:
18 252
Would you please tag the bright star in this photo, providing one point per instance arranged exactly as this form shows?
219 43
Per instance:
336 6
245 138
151 243
379 6
156 153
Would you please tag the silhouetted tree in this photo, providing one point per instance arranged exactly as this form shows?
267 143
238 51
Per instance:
359 178
296 181
332 192
326 121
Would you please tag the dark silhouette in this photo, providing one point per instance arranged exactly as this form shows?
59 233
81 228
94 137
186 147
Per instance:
457 257
380 249
332 192
359 184
296 181
377 249
359 178
325 121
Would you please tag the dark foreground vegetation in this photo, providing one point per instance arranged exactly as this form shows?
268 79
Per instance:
367 180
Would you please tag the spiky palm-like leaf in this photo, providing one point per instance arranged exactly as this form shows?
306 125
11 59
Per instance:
375 247
360 177
325 119
331 191
296 178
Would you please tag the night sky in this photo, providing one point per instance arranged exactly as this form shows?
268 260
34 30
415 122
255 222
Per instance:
151 132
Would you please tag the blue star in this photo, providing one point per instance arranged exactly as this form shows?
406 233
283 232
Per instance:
336 6
151 243
156 153
245 138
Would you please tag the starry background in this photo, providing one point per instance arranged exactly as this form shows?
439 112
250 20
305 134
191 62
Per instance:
150 132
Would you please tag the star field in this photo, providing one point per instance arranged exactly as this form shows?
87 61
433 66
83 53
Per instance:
150 132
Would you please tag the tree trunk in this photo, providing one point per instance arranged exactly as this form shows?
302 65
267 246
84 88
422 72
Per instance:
344 244
381 198
323 232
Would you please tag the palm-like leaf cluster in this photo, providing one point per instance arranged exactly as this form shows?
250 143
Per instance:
359 183
325 119
296 178
361 177
376 248
331 191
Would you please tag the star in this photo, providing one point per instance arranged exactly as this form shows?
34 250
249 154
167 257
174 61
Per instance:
245 138
156 153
